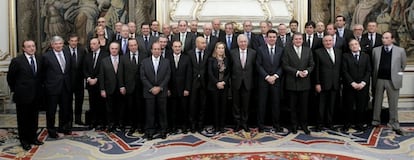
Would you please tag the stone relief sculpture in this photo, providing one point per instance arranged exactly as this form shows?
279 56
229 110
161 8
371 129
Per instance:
323 14
116 12
363 9
143 9
27 18
54 24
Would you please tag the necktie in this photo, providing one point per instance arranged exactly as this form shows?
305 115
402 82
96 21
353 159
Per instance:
207 40
32 65
298 52
332 55
243 58
216 33
283 40
115 64
320 35
309 41
118 37
387 49
356 57
62 62
372 39
146 41
176 59
272 53
229 42
182 39
74 57
341 33
163 53
156 63
248 36
94 59
199 57
134 60
124 44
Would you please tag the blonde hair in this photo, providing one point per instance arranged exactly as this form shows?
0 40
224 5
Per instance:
215 49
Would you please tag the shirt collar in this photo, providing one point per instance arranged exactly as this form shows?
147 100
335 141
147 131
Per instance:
155 59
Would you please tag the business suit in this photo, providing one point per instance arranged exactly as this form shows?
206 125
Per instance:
219 35
198 90
166 52
121 43
133 86
327 75
392 85
366 43
27 88
356 70
155 102
258 41
316 42
233 43
298 87
142 45
58 89
218 96
242 83
340 44
347 36
251 39
91 70
288 41
189 41
211 42
77 80
180 81
267 91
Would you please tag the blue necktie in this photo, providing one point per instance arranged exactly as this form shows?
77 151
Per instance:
229 43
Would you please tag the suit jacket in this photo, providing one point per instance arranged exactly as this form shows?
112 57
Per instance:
109 80
141 43
366 45
199 70
213 73
77 77
287 43
398 63
348 34
240 75
132 79
149 79
258 41
167 52
265 67
316 43
88 69
26 86
327 73
221 34
120 47
233 43
211 43
291 63
189 41
340 43
356 70
55 80
181 76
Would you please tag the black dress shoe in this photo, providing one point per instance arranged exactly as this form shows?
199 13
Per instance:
398 131
148 136
306 130
37 142
245 128
294 131
26 146
163 136
53 135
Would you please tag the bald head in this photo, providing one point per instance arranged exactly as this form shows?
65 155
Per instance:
201 43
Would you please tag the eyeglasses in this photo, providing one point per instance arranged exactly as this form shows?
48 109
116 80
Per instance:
101 21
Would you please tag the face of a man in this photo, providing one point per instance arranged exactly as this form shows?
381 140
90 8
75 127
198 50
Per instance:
154 26
327 41
114 49
320 27
94 44
57 46
293 27
358 31
166 29
309 30
207 29
229 29
174 28
29 47
163 42
73 42
182 26
387 38
282 30
264 27
354 46
339 22
242 42
247 26
330 29
132 27
102 22
372 27
271 38
176 47
156 50
193 26
133 46
297 40
145 30
216 24
201 43
125 32
118 27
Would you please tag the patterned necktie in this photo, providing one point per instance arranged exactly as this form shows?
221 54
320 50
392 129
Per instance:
115 64
62 62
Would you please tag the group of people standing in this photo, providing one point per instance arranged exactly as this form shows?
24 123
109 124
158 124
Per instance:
160 82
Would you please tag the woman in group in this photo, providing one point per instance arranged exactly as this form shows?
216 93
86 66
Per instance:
218 84
100 34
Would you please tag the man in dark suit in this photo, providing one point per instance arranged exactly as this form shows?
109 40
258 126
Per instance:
297 62
166 31
269 67
260 40
155 75
230 39
244 61
199 58
24 79
309 38
165 49
210 39
338 42
123 42
56 64
217 32
112 87
186 38
117 32
356 69
247 30
134 98
132 30
145 40
371 39
90 71
155 27
77 79
179 87
358 29
327 76
293 26
320 30
283 39
342 32
194 27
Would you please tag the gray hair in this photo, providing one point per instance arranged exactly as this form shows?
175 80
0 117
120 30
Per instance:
56 39
242 36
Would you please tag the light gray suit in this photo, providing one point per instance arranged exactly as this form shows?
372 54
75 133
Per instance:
398 63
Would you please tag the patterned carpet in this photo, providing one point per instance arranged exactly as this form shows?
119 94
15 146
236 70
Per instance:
378 143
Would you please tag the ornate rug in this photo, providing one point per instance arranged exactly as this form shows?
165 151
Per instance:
379 143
